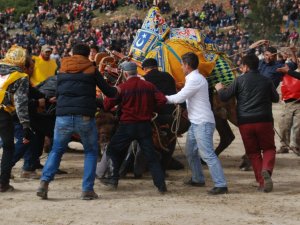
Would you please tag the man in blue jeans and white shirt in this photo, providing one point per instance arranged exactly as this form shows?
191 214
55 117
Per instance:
199 142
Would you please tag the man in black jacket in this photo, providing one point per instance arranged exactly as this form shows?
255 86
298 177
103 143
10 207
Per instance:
75 113
165 83
255 94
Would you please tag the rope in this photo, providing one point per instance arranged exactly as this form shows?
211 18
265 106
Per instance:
119 77
280 137
175 125
158 136
176 122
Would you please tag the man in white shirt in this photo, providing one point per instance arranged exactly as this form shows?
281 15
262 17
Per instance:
199 141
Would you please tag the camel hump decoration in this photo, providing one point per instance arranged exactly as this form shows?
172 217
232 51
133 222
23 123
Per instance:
157 40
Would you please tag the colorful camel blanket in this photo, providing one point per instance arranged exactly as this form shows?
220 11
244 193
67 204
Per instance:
157 40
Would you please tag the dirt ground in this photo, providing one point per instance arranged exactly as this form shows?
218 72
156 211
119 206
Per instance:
138 202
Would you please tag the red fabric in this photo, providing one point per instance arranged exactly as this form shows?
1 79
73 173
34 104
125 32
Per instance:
138 99
258 139
290 88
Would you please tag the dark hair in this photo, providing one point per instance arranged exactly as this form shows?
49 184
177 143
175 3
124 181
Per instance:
95 47
190 59
251 60
149 63
271 49
81 49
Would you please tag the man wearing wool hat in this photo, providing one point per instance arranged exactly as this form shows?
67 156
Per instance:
14 86
138 99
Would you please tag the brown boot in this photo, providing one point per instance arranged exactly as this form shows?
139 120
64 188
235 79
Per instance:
283 150
296 150
29 175
42 191
89 195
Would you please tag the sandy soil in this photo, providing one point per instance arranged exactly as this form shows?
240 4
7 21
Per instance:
137 201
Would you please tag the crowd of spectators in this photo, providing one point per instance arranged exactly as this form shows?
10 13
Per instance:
71 22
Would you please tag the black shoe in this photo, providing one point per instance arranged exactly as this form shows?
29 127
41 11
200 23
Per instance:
245 164
111 182
6 188
218 191
60 172
190 182
39 166
163 190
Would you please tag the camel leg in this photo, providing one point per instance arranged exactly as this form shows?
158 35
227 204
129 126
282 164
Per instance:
226 134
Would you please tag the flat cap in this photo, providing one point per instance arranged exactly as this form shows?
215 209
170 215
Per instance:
46 48
150 62
128 66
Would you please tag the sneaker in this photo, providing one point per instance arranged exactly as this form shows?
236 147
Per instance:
29 175
42 191
111 182
283 150
218 191
6 188
296 150
89 195
268 183
190 182
39 166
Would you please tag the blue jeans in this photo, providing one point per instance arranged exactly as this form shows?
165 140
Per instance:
23 150
65 126
199 144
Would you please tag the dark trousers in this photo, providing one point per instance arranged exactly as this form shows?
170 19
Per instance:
7 136
43 125
258 139
23 150
125 134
